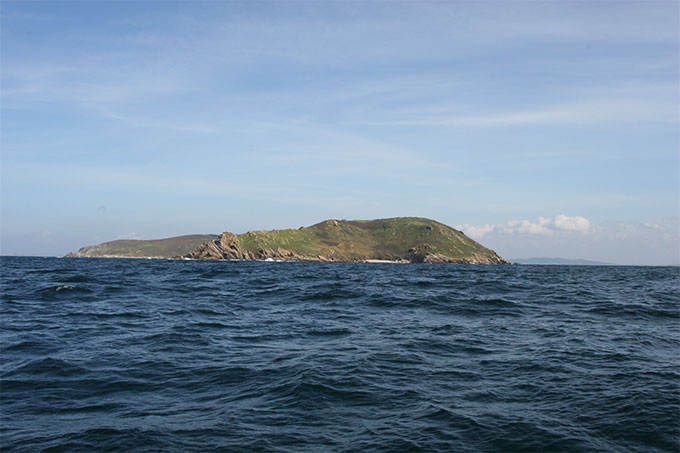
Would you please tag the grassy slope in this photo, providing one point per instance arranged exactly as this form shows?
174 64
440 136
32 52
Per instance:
382 238
166 248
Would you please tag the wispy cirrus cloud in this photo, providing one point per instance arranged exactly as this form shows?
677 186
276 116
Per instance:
662 108
345 109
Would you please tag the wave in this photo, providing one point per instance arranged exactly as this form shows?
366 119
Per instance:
46 366
61 291
193 356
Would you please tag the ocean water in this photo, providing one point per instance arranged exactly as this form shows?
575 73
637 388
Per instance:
154 355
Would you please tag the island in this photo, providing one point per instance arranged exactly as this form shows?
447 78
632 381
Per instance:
399 239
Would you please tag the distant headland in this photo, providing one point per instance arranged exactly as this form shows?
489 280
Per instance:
133 248
399 239
560 261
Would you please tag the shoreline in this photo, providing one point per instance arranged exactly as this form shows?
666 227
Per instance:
267 260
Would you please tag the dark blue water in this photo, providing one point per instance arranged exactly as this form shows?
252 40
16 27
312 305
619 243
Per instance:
152 355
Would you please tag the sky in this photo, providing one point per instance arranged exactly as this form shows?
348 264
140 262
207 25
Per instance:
537 128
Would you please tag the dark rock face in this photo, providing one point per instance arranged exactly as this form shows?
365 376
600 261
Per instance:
226 247
422 254
477 259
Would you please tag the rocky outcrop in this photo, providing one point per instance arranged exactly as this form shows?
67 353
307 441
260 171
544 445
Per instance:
89 251
477 259
228 247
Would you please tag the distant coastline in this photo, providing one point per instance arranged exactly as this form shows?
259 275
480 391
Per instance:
560 261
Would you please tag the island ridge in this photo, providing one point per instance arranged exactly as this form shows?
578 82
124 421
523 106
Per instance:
400 239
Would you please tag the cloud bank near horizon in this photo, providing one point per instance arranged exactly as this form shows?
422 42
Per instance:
545 226
643 242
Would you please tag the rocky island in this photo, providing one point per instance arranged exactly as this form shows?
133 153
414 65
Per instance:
401 239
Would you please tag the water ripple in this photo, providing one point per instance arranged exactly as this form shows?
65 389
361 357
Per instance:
157 355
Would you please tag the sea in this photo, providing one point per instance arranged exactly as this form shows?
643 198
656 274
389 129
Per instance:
163 355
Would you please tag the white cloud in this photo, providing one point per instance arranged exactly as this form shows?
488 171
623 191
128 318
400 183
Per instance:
655 242
475 231
545 226
653 226
577 223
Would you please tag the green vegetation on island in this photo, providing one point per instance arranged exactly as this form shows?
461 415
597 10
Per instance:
405 239
132 248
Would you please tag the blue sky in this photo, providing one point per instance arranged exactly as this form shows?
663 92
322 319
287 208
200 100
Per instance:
539 128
